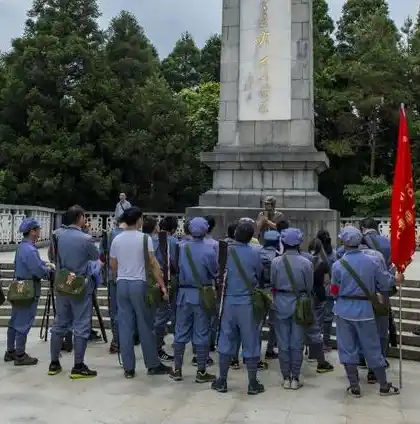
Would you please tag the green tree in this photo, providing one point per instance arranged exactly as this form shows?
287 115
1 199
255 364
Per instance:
55 124
210 59
181 68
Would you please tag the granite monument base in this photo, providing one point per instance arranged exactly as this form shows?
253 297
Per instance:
310 221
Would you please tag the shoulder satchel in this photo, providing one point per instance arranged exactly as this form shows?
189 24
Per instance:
153 293
261 301
303 315
20 293
207 294
380 307
67 283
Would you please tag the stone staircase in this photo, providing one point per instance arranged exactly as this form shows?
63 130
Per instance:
410 312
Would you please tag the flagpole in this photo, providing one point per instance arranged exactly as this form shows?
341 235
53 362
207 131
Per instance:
400 337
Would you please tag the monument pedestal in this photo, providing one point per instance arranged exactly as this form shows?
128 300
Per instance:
310 221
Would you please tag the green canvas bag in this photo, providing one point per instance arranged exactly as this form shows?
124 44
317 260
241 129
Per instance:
261 300
303 315
379 305
67 283
207 294
21 293
153 293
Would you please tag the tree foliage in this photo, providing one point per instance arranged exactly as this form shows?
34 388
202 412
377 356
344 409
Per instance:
86 113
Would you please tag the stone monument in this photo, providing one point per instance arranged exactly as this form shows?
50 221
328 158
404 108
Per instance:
266 118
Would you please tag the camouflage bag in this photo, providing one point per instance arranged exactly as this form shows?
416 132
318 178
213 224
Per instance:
21 293
207 294
153 293
261 300
67 283
304 314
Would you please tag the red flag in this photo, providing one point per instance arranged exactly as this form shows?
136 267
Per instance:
403 212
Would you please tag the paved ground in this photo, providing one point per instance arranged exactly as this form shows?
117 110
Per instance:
29 395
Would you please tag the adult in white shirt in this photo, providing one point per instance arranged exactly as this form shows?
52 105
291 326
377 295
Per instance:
127 260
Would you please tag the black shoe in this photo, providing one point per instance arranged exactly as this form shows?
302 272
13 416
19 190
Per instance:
204 377
219 386
94 336
234 364
159 370
194 361
210 362
9 356
362 363
324 367
389 390
255 388
25 360
270 354
262 365
371 378
165 357
82 371
129 374
354 391
114 349
176 375
54 368
212 348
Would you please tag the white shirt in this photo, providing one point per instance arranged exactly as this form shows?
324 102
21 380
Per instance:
127 249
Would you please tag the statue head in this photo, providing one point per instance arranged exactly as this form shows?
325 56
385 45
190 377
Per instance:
270 203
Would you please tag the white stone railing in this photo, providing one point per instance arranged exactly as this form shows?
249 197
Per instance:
11 217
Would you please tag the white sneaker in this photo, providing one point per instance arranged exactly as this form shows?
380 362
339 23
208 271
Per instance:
286 384
295 384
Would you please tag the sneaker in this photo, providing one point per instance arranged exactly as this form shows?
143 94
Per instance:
354 391
234 364
194 361
54 368
114 349
82 371
24 360
213 348
94 336
9 356
255 388
159 370
389 390
262 365
176 375
165 357
270 354
219 386
286 384
371 378
362 363
210 362
204 377
129 374
324 367
295 384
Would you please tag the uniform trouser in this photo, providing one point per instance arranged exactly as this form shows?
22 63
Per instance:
313 333
382 325
162 315
290 338
20 323
72 313
113 311
135 315
328 320
192 324
354 337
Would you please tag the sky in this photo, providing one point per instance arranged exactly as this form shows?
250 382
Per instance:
165 20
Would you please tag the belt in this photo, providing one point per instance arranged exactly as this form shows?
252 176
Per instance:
355 297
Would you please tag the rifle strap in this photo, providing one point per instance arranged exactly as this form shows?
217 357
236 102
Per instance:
240 269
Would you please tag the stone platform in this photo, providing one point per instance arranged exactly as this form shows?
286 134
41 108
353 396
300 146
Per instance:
29 395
